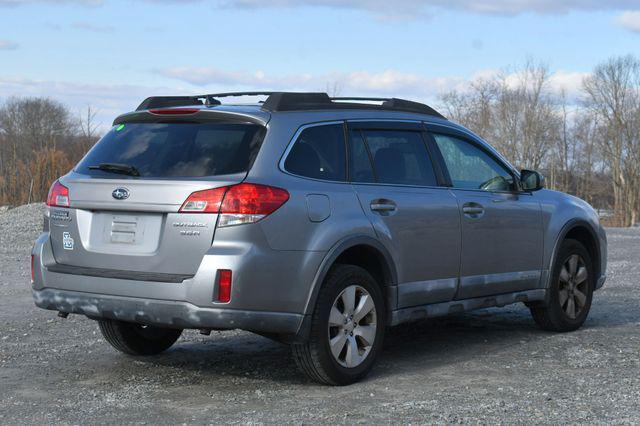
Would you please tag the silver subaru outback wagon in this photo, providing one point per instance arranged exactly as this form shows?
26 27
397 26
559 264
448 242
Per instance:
315 221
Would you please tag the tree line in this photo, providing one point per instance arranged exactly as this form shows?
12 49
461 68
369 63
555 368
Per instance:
590 149
40 140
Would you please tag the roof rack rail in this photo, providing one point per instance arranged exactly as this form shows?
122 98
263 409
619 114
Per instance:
293 101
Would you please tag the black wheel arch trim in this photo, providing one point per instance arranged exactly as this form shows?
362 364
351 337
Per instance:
335 252
568 227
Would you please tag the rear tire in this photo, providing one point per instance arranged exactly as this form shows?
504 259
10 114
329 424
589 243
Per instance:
570 291
136 339
347 328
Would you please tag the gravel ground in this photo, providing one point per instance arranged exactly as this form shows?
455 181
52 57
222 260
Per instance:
490 366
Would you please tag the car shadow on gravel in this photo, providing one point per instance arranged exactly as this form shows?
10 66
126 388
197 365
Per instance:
241 355
415 346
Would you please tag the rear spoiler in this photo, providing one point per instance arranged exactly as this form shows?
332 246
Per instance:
200 116
172 102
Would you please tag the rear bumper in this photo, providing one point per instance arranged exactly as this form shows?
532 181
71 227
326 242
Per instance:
269 292
165 313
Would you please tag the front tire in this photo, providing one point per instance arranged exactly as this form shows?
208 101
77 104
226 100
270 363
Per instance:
570 292
136 339
347 328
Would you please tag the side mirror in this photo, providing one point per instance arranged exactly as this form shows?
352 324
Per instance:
531 180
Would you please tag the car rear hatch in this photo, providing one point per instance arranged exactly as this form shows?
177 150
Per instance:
124 217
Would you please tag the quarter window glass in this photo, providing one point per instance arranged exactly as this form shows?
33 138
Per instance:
400 157
359 161
470 167
319 153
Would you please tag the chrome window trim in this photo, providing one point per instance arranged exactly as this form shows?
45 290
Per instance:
401 185
473 136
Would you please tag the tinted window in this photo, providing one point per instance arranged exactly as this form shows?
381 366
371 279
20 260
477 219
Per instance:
472 168
400 157
319 153
176 149
359 160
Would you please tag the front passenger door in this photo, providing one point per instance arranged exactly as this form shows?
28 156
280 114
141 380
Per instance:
502 238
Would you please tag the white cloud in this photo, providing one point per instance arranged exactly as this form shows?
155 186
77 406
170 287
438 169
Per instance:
389 82
424 7
8 45
363 83
113 100
630 20
109 100
392 9
569 82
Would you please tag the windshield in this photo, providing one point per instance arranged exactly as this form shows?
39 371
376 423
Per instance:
174 150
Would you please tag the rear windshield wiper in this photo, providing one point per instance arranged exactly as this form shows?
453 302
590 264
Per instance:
124 169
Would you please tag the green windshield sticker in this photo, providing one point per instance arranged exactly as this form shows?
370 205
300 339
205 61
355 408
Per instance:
120 127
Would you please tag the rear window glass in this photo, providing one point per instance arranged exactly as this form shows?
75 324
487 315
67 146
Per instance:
319 153
176 149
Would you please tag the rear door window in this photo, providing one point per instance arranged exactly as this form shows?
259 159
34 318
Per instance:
163 150
319 153
399 157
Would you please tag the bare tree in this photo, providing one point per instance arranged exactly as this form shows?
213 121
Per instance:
333 88
535 127
89 129
37 138
514 111
613 96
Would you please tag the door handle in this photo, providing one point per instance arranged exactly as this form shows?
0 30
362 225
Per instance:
383 206
473 210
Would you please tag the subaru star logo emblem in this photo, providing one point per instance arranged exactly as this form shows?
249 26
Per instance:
120 193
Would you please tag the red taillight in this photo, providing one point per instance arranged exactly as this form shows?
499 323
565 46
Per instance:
224 285
174 111
33 272
58 195
237 204
251 198
207 201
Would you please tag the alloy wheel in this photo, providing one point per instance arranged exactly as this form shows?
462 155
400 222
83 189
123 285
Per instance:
573 286
352 326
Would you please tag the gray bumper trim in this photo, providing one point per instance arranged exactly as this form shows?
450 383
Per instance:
165 313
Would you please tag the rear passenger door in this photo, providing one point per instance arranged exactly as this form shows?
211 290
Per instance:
501 226
399 187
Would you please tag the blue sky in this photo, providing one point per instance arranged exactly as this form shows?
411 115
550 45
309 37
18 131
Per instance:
111 54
